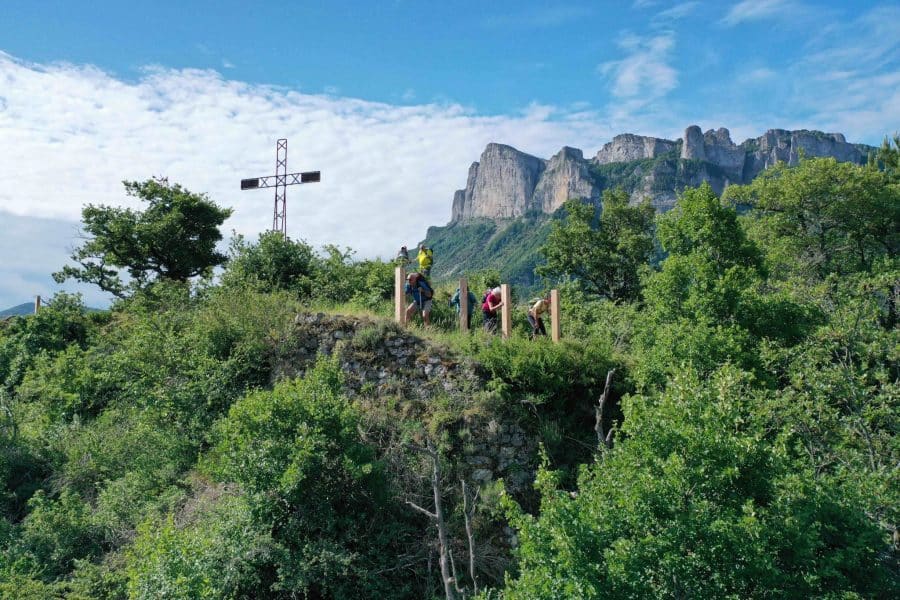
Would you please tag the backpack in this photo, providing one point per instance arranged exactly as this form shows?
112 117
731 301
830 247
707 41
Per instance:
425 290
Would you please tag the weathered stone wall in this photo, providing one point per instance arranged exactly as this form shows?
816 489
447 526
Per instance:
382 362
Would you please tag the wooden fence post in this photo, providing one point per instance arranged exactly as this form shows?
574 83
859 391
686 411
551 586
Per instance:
463 305
400 295
37 304
505 315
554 315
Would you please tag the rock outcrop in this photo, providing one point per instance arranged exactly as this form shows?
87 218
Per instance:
566 176
507 183
501 185
780 145
627 147
384 364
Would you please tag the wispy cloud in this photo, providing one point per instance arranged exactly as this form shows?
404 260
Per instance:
755 10
854 86
679 11
72 133
645 71
538 18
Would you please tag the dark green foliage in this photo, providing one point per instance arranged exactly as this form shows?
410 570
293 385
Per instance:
174 238
312 483
699 500
273 263
60 323
605 257
150 452
823 217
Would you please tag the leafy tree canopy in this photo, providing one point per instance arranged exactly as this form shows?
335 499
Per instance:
275 262
604 258
174 238
823 217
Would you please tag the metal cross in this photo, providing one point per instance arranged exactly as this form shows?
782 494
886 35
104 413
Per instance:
280 180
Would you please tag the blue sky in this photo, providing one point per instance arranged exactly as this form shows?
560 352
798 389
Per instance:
392 100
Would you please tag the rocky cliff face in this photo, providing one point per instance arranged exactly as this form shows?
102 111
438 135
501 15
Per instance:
507 183
501 185
627 147
566 176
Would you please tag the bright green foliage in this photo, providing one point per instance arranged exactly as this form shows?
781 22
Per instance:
841 400
174 238
312 483
709 303
61 322
605 258
700 225
823 217
699 500
273 263
56 532
215 557
887 158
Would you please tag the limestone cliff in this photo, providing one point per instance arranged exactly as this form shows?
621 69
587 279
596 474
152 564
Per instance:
627 147
566 176
507 183
501 185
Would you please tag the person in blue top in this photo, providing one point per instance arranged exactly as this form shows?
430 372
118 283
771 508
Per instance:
454 301
417 287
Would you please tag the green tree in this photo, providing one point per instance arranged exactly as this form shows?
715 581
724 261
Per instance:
701 225
603 255
823 216
698 500
273 263
174 238
314 484
887 157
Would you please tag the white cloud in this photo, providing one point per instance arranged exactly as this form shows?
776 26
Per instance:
538 18
755 10
644 74
759 74
70 134
679 11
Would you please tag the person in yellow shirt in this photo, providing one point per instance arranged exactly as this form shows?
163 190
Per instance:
534 316
426 259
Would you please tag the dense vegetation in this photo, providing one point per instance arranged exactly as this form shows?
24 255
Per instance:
747 446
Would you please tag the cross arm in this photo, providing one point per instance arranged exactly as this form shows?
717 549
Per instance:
274 180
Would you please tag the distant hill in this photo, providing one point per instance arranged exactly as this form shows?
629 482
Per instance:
26 308
503 215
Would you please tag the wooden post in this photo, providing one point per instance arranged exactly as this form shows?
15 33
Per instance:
37 304
505 315
463 305
554 315
400 295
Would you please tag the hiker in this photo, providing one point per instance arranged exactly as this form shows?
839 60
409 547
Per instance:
456 301
426 259
535 313
402 257
491 302
417 287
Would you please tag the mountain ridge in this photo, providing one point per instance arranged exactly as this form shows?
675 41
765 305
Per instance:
508 183
503 215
